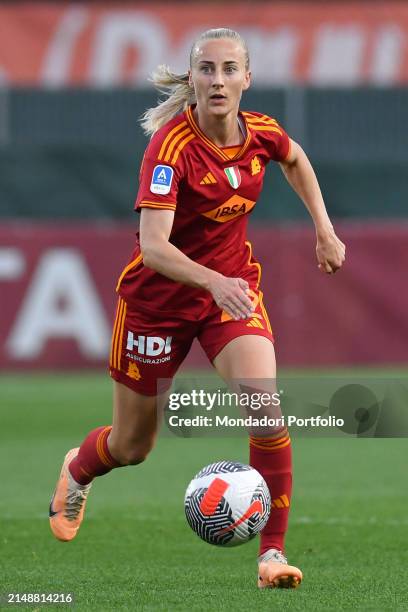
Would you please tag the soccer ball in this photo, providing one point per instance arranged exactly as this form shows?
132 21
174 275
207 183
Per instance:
227 503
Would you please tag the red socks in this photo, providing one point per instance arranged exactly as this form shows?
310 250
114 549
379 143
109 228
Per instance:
94 458
272 457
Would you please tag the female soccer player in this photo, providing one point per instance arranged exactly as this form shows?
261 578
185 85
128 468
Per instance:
193 274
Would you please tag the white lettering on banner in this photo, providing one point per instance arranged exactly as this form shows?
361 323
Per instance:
388 53
180 54
61 303
12 263
58 58
116 34
265 46
150 345
338 55
331 54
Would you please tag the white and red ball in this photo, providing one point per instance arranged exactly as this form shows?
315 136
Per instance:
227 503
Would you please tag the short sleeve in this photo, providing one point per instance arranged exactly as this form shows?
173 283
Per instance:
160 172
158 185
269 134
282 144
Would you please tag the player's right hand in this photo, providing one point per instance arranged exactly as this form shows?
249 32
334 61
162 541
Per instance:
231 295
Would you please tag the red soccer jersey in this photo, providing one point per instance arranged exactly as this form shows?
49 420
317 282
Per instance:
212 191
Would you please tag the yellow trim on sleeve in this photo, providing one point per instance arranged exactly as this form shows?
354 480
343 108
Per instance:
180 147
170 207
264 128
174 142
169 137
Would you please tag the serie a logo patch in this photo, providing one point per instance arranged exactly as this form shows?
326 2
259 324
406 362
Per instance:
161 180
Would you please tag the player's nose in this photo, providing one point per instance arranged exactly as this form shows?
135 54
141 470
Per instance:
218 78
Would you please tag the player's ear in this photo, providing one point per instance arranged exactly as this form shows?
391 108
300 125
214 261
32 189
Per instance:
247 80
190 80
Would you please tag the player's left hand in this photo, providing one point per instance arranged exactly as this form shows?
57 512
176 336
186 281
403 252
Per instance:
330 251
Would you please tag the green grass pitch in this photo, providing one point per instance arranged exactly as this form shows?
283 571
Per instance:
135 551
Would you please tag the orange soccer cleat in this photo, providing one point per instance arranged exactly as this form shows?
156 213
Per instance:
68 502
275 573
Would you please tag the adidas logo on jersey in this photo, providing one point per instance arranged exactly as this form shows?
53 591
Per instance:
254 322
209 179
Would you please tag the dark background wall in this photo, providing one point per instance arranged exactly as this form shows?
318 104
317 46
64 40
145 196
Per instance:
75 153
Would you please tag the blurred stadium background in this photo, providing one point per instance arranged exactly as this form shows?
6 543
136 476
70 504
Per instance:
73 83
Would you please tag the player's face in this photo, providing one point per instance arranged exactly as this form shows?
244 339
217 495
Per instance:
219 76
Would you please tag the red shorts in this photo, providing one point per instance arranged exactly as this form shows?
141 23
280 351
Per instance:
147 348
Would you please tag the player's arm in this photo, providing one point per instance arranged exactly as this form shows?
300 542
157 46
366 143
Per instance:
163 257
301 176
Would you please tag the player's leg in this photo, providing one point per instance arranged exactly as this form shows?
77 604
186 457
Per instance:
243 350
246 358
137 363
126 442
135 423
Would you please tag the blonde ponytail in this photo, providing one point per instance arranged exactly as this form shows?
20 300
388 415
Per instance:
179 94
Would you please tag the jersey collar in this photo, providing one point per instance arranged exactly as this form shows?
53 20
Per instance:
210 144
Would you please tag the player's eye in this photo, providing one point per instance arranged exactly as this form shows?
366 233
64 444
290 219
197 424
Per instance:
230 69
205 69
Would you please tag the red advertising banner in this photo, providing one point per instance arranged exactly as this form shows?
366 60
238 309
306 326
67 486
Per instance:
57 295
320 43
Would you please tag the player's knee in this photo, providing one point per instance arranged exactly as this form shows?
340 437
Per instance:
135 456
131 454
